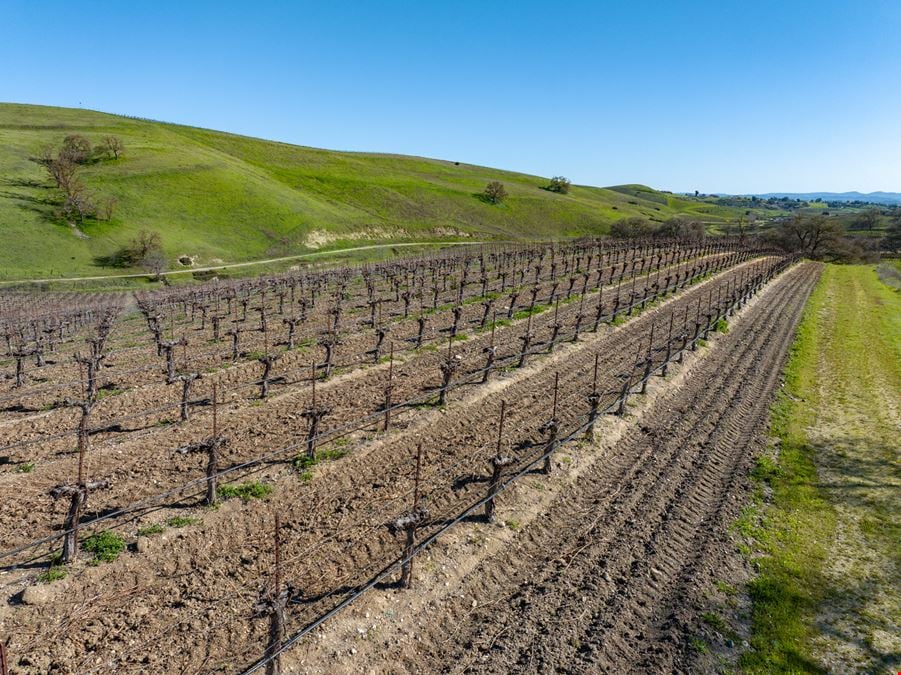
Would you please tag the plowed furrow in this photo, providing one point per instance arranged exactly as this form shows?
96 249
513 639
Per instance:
664 493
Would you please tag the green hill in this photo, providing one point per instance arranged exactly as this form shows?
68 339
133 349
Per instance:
219 197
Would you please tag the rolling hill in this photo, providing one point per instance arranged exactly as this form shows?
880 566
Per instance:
219 197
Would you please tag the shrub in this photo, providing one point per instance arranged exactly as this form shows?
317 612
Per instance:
156 528
559 184
181 521
631 228
52 574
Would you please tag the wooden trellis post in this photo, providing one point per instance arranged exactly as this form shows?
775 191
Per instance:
314 413
594 399
273 605
408 523
550 428
498 462
599 312
669 347
490 353
448 367
389 387
526 342
648 363
211 447
683 337
555 328
77 492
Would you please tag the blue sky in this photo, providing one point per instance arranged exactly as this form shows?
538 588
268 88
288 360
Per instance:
725 96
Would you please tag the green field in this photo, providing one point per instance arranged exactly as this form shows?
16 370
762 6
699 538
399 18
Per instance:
827 598
224 198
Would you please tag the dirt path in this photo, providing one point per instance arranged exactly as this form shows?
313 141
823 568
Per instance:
299 256
609 577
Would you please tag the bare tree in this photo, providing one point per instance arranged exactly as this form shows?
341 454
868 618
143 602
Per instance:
106 208
61 170
77 202
867 220
113 145
76 148
155 262
892 240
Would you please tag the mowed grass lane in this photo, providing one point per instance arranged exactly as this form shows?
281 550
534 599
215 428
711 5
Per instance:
828 596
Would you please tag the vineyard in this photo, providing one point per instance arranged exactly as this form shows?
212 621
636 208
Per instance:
200 478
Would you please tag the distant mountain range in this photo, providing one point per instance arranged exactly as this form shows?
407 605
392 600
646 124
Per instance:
874 197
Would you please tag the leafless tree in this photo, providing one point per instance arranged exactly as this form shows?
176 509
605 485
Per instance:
113 145
76 148
155 262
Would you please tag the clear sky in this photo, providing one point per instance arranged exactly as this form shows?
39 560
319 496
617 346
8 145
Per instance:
716 95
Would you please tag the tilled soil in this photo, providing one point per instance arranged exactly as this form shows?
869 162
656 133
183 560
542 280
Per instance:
185 601
610 578
143 462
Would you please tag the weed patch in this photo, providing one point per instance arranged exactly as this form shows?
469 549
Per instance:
245 491
106 546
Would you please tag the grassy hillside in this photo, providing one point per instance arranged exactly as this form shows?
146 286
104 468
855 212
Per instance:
226 198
